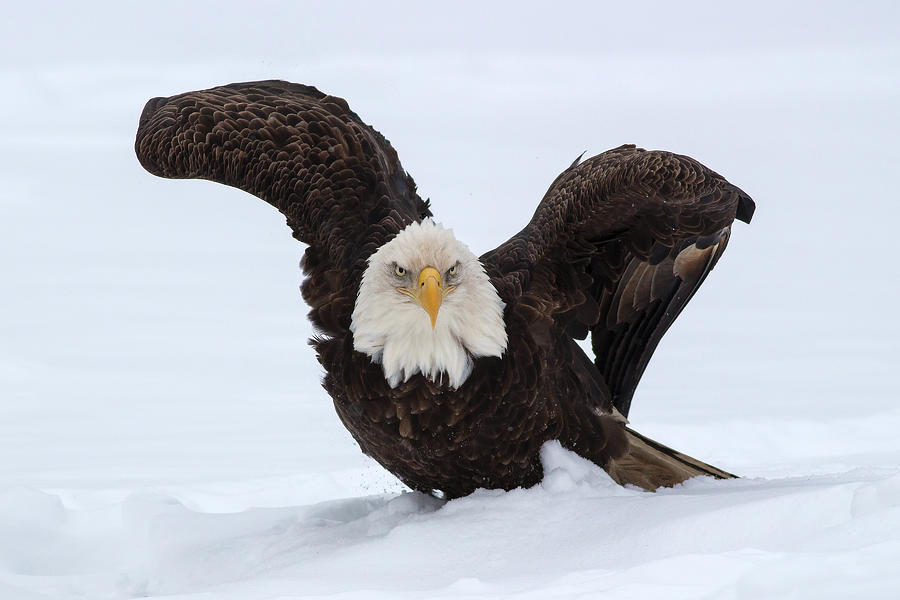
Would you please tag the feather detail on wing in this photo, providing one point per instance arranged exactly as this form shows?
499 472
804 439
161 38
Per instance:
338 182
617 247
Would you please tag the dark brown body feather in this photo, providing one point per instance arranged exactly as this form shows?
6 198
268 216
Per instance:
616 249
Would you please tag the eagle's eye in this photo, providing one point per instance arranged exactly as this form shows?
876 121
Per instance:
399 271
452 270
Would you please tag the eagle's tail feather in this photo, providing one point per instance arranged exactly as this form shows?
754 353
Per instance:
651 465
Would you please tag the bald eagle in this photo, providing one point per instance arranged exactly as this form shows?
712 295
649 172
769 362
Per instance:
449 369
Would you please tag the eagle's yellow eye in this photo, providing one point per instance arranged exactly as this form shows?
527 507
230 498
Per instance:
399 271
452 270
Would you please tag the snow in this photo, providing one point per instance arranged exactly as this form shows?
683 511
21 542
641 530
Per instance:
576 533
162 430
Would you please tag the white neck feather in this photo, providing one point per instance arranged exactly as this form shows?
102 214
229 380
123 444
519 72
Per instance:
394 330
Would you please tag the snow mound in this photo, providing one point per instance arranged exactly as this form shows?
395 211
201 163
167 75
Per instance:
575 533
565 471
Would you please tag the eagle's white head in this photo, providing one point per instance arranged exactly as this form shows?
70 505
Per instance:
425 305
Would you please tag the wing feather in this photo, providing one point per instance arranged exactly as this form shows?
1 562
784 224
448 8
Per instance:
302 151
628 237
338 182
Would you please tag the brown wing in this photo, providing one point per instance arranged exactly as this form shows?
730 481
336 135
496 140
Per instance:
617 247
337 180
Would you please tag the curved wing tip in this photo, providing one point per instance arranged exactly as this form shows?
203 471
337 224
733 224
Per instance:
144 155
746 207
149 109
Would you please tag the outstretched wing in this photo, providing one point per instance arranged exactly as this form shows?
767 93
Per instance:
338 182
617 247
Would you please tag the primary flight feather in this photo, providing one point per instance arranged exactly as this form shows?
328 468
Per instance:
452 370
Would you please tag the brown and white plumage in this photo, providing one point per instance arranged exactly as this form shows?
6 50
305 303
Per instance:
454 377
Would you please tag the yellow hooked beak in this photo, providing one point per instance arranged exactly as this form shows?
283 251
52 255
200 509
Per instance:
430 292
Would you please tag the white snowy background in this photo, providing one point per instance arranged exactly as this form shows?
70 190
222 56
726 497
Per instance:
162 428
